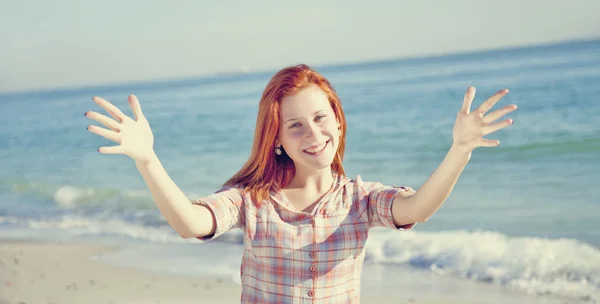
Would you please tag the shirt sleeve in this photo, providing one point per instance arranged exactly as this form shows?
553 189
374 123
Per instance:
227 205
379 199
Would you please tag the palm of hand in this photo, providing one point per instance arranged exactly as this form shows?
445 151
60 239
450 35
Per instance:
470 127
134 136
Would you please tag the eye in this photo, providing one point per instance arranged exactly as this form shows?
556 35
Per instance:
320 117
297 124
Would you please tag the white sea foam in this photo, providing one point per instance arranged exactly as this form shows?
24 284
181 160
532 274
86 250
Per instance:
563 267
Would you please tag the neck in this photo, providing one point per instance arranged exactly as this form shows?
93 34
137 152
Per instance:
320 180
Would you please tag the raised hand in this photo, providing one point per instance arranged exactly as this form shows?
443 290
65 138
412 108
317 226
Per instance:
470 127
134 137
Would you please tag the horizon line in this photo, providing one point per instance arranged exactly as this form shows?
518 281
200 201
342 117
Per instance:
330 65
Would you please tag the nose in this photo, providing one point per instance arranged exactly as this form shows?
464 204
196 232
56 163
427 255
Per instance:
313 131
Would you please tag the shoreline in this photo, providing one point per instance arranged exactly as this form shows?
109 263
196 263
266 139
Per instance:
57 272
34 271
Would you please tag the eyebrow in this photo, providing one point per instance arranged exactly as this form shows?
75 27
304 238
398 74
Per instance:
297 118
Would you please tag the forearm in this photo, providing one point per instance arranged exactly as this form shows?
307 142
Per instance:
432 194
170 200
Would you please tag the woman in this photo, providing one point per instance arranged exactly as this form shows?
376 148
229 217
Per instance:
305 223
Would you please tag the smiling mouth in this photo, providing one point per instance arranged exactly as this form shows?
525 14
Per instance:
316 150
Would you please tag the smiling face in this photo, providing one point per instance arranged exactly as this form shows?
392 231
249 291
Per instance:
309 130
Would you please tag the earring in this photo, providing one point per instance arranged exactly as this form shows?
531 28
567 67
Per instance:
278 150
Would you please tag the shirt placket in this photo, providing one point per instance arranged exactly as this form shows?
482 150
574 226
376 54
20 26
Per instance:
312 258
312 255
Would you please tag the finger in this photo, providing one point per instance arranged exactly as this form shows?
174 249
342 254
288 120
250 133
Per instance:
111 150
489 142
108 134
497 126
110 108
499 113
103 119
488 104
134 103
468 100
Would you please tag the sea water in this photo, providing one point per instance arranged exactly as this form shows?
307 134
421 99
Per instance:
524 217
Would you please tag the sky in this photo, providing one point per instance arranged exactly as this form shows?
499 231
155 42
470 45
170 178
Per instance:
62 44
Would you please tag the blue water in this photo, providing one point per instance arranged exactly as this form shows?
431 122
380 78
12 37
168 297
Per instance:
524 214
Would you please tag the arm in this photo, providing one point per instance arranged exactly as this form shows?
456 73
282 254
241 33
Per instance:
136 140
189 220
468 132
419 206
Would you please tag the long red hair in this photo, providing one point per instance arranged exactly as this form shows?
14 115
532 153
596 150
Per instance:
264 171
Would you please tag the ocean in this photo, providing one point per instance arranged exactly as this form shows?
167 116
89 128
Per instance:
523 219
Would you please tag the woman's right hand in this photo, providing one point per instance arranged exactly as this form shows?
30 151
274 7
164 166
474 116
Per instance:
134 137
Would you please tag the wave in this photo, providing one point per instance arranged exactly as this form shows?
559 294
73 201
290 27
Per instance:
564 267
69 197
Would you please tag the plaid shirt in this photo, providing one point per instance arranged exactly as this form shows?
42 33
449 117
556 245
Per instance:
298 257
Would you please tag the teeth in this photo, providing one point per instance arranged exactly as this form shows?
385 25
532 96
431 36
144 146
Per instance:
317 149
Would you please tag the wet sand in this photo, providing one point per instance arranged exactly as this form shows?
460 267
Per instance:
34 272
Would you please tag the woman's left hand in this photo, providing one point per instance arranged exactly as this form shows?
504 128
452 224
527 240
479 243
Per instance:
470 127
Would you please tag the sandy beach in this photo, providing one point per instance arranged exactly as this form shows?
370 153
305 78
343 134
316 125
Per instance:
64 273
33 272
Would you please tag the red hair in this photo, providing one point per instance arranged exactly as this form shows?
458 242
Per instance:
264 171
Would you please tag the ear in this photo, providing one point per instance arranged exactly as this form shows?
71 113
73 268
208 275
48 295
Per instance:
277 143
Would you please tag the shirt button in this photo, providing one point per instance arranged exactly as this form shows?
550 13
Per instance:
313 268
313 255
312 221
310 293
